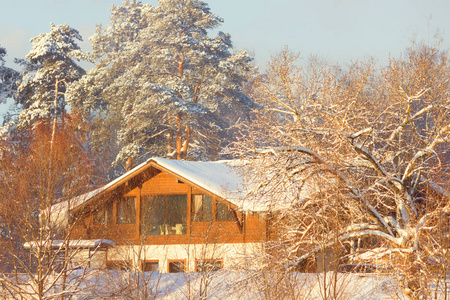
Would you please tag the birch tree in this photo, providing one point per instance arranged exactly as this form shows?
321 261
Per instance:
355 156
36 260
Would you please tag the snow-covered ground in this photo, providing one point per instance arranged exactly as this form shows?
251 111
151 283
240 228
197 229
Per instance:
232 285
236 285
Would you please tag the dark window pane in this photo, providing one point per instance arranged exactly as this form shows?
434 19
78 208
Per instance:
209 265
109 212
152 215
164 215
99 216
201 208
150 266
176 267
175 214
103 215
126 211
223 213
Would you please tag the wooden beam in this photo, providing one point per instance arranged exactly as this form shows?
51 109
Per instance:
189 209
238 222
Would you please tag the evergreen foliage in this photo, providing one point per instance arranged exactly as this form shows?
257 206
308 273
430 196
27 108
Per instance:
155 64
8 77
49 67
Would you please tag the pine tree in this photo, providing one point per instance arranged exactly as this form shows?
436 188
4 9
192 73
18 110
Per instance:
49 68
159 74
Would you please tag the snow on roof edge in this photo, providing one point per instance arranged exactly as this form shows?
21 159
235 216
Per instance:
80 244
218 177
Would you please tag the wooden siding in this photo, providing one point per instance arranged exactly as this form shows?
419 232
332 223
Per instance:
250 228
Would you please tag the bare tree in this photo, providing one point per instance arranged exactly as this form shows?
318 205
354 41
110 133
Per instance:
355 157
38 169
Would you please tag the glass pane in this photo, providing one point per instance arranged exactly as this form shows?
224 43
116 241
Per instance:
152 220
103 215
164 215
109 212
99 216
209 266
126 211
176 214
223 213
176 267
201 208
150 266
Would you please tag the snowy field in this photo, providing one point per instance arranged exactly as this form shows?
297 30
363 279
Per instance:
228 285
234 285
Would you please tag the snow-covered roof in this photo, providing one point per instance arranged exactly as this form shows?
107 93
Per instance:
59 211
224 179
79 244
221 178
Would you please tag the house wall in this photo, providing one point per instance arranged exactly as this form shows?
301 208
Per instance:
231 255
90 258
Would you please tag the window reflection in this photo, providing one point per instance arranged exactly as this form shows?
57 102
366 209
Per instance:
202 208
223 212
164 215
104 215
126 211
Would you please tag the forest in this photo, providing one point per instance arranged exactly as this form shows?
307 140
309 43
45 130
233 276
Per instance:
370 143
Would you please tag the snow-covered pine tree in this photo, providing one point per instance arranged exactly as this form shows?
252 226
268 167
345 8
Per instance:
49 67
8 77
156 65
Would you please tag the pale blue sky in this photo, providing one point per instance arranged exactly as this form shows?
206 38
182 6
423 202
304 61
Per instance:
337 30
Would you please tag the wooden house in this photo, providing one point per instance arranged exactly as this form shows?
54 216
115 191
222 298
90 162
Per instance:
167 216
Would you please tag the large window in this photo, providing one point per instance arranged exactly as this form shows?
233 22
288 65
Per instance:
202 208
126 211
104 215
223 212
164 215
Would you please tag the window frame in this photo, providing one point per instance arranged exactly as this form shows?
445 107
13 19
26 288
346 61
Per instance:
193 213
107 210
165 229
227 209
198 261
143 262
170 261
